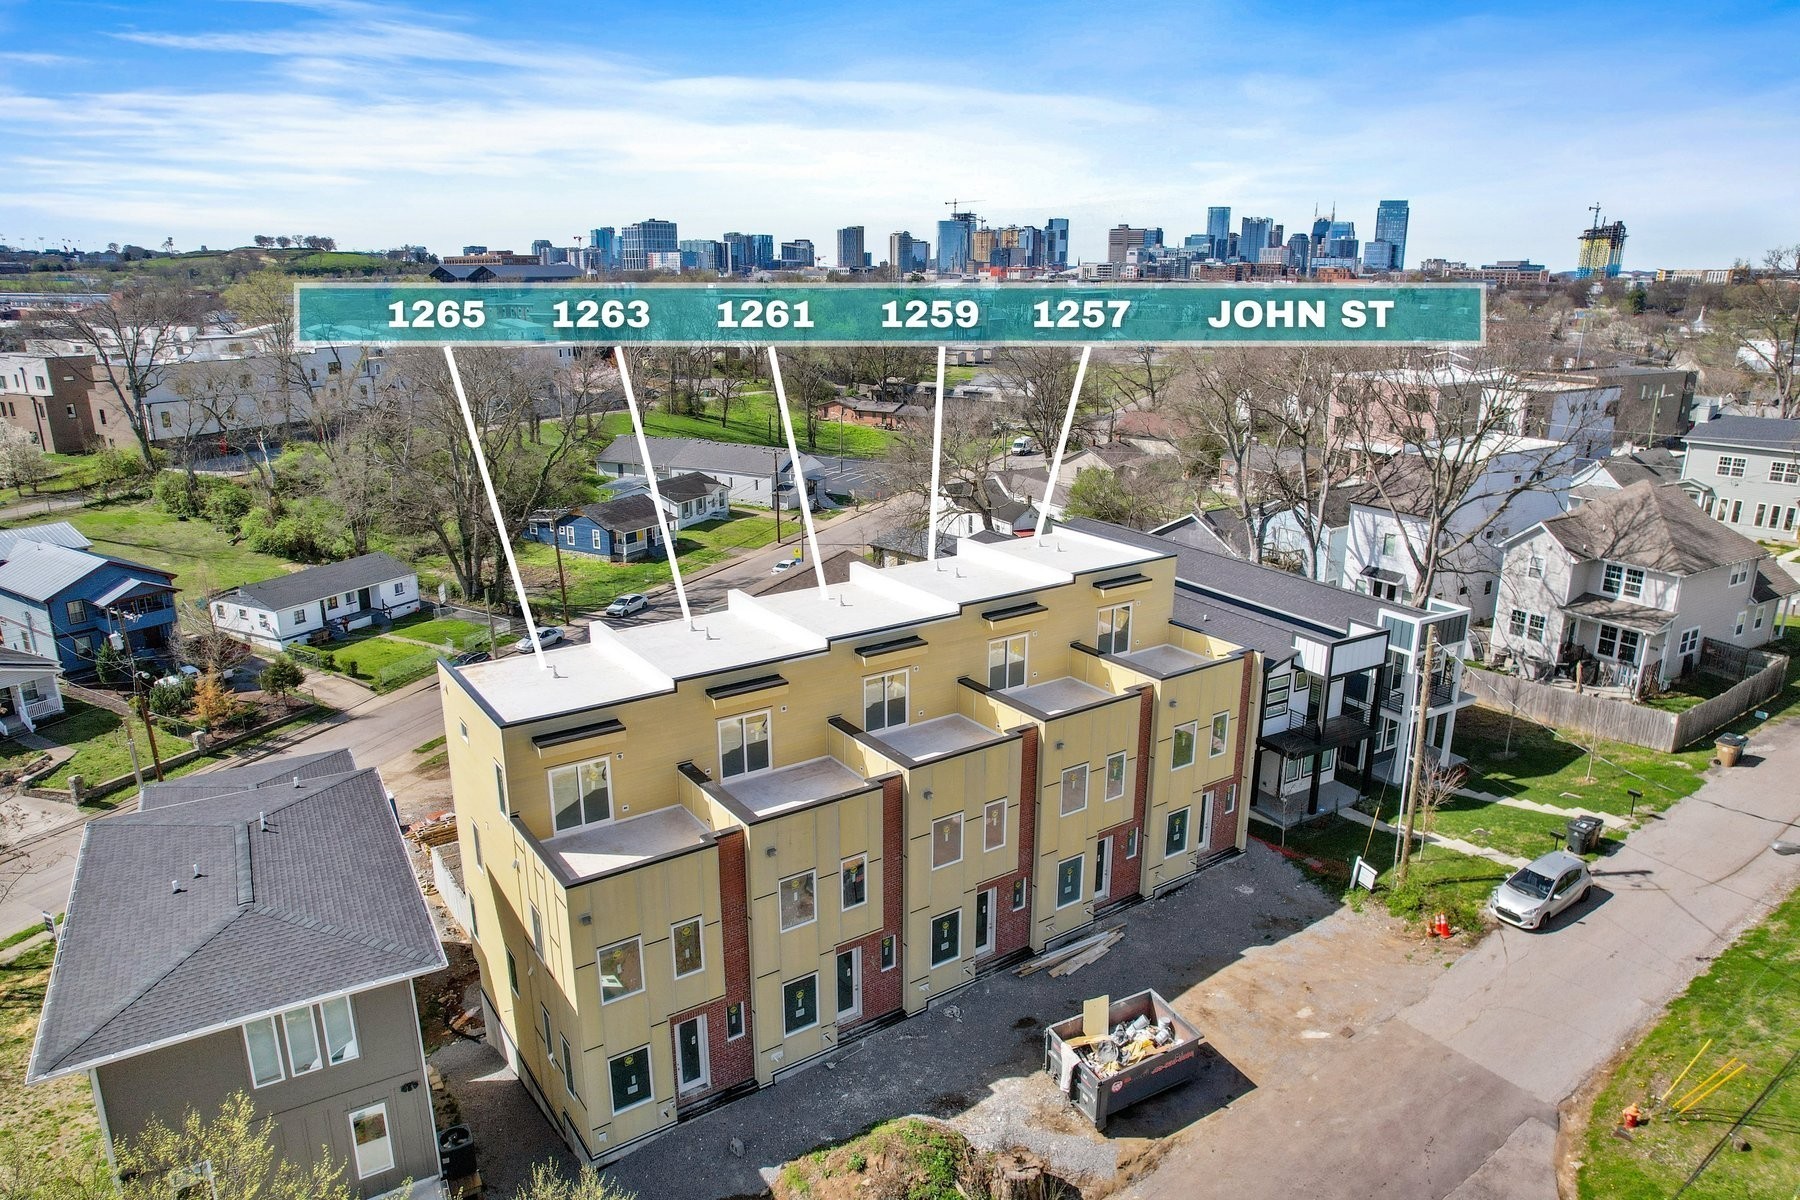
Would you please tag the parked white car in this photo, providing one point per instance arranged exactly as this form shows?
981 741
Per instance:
548 635
1541 889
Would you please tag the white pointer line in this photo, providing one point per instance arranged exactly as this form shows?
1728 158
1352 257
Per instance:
662 523
1062 441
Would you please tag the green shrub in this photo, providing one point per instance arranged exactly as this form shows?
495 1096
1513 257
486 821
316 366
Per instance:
226 504
171 698
304 533
176 494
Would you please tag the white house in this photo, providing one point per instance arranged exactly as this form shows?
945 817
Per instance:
754 474
1513 483
318 602
1749 468
1631 583
28 690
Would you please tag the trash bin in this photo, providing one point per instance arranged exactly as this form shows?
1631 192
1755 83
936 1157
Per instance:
1584 834
1730 746
456 1146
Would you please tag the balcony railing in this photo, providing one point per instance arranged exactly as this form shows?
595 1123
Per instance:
1443 692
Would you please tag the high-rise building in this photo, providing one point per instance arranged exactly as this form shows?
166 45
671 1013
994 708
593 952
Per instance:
1377 255
1122 239
850 248
472 250
1218 228
798 253
762 249
539 246
1199 244
955 237
637 242
708 254
900 252
604 242
1390 227
1602 249
981 246
1253 237
1299 252
1056 242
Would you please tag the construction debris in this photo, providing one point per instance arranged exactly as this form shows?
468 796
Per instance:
1061 955
1093 953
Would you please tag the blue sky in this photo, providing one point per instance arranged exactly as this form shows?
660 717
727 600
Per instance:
210 121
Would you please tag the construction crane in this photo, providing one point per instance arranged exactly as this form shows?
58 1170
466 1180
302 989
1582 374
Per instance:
954 203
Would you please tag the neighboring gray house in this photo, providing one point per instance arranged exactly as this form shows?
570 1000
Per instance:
253 930
320 601
1633 582
1657 464
1749 470
750 472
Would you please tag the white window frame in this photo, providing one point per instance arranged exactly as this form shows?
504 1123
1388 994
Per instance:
1192 729
705 1081
856 1008
568 1067
1005 647
1106 790
887 682
1731 466
1110 628
637 949
987 812
350 1049
742 722
790 1031
386 1142
955 819
993 920
537 929
1275 695
1689 641
931 948
699 925
1534 627
577 770
1187 831
781 905
1739 573
1534 567
1063 785
649 1079
1230 790
302 1016
1216 739
1080 862
274 1046
861 860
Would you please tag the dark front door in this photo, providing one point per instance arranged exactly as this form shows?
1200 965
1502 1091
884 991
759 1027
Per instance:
690 1053
362 599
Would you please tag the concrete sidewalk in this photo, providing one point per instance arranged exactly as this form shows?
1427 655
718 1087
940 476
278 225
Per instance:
1457 1096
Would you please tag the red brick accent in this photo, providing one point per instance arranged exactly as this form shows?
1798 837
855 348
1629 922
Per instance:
1028 805
730 1062
1140 808
733 1061
1125 871
880 989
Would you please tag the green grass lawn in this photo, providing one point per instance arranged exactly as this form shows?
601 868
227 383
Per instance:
436 631
1686 693
1550 769
754 419
202 558
50 1119
1748 1002
1495 826
102 750
1439 880
67 473
374 652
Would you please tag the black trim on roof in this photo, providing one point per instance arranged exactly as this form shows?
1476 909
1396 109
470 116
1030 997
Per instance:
1119 581
745 686
543 741
1010 611
871 649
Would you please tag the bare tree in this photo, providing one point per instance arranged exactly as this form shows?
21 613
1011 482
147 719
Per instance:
135 337
1040 380
971 453
1144 375
1759 325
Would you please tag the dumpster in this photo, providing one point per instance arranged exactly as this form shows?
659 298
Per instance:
1730 746
1148 1049
1584 834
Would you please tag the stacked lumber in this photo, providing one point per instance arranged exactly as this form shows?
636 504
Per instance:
435 832
1074 956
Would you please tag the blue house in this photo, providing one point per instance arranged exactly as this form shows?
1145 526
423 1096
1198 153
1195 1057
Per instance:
618 530
63 603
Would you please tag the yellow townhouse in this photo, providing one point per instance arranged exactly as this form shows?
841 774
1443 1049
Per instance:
701 854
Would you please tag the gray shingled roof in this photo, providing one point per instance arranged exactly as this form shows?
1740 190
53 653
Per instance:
1772 582
1656 465
697 454
1651 525
57 533
316 583
1754 433
1266 593
40 570
271 772
627 512
321 901
690 486
22 659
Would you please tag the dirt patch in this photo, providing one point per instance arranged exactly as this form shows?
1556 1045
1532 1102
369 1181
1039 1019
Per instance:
920 1160
441 995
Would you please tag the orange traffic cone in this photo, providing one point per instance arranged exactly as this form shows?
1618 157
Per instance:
1440 925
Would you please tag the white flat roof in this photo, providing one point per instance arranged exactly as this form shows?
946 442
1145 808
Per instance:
603 849
1164 660
618 665
1057 696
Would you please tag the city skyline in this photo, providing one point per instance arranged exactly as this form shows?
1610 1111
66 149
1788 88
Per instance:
384 125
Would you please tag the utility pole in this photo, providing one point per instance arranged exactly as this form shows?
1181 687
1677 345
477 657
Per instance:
562 582
1415 774
775 495
143 707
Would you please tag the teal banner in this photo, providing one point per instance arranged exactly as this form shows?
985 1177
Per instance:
1427 314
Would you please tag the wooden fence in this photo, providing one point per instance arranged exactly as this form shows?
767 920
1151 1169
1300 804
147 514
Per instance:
1621 721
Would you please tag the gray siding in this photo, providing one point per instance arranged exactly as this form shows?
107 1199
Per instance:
309 1111
1738 496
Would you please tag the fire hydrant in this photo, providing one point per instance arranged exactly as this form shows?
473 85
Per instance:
1632 1117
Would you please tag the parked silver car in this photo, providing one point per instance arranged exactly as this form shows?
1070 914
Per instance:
1538 891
